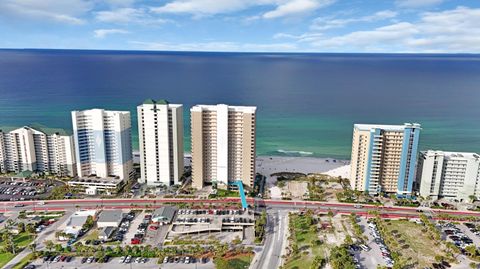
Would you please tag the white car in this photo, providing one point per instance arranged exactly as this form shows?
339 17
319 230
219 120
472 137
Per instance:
122 259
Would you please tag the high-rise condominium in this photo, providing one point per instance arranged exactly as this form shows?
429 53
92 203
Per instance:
37 149
454 175
223 144
384 157
103 143
160 131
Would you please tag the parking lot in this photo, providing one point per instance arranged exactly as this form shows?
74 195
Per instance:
372 257
379 254
132 229
20 190
224 224
76 262
457 235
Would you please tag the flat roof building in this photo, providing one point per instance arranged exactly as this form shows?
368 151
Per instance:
454 175
164 214
223 145
160 132
384 158
103 143
109 218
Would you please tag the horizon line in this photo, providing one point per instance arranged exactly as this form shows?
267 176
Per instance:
243 52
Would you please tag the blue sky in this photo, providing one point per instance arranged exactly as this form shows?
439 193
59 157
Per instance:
443 26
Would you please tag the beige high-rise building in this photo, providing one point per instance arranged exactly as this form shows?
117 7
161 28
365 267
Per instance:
223 145
384 158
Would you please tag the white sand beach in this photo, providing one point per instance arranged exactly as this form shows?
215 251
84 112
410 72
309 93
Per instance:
267 165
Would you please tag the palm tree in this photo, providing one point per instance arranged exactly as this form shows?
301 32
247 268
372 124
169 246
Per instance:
33 247
49 245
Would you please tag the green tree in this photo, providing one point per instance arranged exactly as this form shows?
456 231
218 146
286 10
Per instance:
21 227
471 250
49 245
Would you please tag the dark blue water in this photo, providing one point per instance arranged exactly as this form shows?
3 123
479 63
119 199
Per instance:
306 102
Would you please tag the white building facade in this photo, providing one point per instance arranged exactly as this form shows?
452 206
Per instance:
38 150
223 144
160 131
103 143
453 175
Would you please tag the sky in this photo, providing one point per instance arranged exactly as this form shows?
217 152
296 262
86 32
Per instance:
383 26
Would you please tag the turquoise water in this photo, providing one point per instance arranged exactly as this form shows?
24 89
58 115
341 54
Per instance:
307 103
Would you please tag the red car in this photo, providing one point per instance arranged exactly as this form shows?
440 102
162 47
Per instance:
153 228
135 241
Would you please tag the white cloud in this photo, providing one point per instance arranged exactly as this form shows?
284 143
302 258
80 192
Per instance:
215 46
451 31
281 8
295 7
65 11
325 23
203 7
120 3
101 33
128 15
417 3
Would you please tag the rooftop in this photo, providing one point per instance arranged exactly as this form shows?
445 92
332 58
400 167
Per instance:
245 109
367 127
450 154
159 102
39 128
164 213
110 216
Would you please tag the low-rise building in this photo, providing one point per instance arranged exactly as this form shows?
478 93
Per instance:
76 222
109 218
105 233
164 215
454 175
94 185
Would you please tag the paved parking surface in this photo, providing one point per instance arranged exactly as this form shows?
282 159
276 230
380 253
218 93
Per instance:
372 258
475 238
114 263
132 230
8 187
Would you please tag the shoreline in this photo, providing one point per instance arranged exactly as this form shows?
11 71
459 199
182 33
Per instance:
267 165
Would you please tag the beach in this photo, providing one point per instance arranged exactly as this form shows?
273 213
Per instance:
267 165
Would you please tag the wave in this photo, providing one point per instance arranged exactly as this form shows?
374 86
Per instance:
294 152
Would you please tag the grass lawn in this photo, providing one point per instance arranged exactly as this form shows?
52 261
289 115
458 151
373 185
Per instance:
23 239
5 258
224 193
240 262
421 249
92 235
305 239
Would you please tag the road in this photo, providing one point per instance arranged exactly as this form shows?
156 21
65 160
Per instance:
270 256
73 204
276 221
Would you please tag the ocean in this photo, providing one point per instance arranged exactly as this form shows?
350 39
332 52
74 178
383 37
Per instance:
307 103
